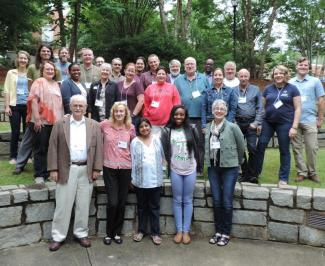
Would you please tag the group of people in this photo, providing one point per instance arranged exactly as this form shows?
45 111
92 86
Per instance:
83 119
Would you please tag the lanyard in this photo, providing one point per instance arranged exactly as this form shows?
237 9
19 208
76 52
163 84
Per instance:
279 93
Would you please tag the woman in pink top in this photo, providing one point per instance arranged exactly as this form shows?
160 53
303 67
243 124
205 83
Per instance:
118 132
159 99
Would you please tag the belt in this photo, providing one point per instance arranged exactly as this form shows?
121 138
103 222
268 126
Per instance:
80 163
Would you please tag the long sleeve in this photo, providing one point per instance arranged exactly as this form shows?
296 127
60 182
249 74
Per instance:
232 106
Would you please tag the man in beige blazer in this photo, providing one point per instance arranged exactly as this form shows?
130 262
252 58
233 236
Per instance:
75 159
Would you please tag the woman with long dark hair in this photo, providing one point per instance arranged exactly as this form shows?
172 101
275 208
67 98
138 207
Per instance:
181 141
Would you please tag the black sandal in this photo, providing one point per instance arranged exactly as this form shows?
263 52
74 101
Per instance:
214 239
223 241
107 240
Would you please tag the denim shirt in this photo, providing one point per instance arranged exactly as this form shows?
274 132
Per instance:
226 94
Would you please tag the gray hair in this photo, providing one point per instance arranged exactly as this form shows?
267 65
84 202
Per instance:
190 59
230 63
174 61
78 97
218 102
109 66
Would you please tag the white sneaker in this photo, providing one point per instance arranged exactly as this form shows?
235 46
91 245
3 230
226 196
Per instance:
39 180
30 160
12 161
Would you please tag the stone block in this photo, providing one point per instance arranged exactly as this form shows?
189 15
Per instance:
238 190
286 215
252 192
4 148
131 199
22 186
52 191
199 203
210 202
170 228
20 235
8 187
20 195
10 216
92 226
129 212
128 228
203 214
168 189
249 231
235 202
311 236
207 188
47 230
282 197
4 198
283 232
304 195
269 185
92 207
101 199
39 212
166 206
319 199
249 184
199 190
101 212
203 229
38 194
249 217
101 228
259 205
162 225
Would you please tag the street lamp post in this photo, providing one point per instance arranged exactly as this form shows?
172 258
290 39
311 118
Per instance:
234 5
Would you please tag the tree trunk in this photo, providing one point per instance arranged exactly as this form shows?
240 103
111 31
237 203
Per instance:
74 37
59 8
163 17
187 18
178 18
268 36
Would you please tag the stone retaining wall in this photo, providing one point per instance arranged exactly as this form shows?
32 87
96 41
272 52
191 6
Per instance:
263 212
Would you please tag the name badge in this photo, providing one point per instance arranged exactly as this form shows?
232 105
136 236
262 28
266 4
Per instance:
87 84
99 103
242 100
122 144
125 102
215 145
304 98
278 104
153 82
196 94
95 87
155 104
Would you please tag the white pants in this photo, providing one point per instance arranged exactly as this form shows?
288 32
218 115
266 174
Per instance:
78 189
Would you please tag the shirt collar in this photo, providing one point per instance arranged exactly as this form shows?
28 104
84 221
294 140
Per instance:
307 77
73 121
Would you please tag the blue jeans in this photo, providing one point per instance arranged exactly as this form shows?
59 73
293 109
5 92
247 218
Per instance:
183 188
282 132
222 182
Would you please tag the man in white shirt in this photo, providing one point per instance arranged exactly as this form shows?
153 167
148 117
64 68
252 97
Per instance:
75 159
230 79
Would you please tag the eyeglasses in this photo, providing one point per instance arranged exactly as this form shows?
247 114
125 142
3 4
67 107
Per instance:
219 109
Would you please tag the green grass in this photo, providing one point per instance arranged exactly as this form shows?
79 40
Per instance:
5 127
269 174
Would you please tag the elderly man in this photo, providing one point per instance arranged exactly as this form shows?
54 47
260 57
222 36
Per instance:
63 63
89 72
99 61
249 117
208 70
191 85
230 79
75 159
174 69
149 77
312 95
116 75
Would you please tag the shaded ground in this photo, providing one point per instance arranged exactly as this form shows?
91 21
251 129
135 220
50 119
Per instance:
199 252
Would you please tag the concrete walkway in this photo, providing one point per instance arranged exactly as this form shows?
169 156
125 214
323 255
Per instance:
199 252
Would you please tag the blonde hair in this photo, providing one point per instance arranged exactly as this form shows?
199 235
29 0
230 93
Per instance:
284 70
127 119
17 58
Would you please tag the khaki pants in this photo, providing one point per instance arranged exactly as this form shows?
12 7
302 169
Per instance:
78 189
306 133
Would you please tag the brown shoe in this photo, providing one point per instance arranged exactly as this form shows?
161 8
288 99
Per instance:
186 238
300 178
178 237
54 246
84 242
314 178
